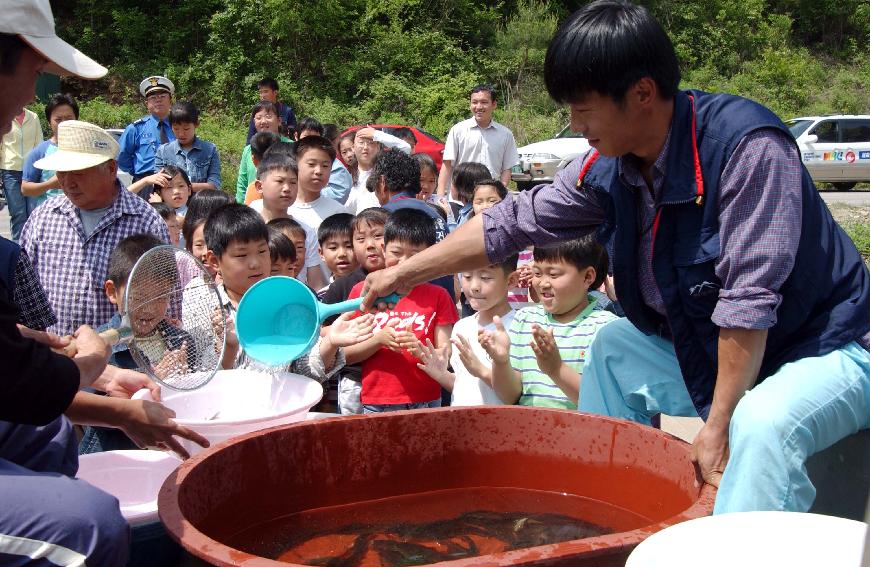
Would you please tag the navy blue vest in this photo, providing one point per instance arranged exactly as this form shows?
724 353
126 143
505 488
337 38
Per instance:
9 252
826 298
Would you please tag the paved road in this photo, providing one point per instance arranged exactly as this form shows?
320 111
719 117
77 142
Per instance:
854 198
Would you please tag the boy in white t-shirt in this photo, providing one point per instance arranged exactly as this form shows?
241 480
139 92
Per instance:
314 157
277 185
486 290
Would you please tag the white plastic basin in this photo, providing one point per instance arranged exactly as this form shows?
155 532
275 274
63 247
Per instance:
755 538
133 477
240 401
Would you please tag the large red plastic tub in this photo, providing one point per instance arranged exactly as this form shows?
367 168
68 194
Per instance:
270 474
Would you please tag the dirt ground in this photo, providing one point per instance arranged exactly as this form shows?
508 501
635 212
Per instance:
848 215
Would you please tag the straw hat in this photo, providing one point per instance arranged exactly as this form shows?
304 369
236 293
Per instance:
80 145
33 22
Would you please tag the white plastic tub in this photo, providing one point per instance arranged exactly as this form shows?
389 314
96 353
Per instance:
133 477
240 401
755 538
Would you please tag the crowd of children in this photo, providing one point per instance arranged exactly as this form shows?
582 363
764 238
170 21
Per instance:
526 323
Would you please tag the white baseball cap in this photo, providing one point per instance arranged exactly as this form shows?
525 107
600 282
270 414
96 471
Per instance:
80 145
33 22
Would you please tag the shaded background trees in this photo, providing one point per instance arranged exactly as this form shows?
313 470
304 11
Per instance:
413 61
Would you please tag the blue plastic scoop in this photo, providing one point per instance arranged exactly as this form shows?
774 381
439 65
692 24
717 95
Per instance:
279 319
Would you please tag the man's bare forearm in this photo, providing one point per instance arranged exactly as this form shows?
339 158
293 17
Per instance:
740 354
462 250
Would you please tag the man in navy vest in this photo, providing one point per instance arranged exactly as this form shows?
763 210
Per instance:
746 304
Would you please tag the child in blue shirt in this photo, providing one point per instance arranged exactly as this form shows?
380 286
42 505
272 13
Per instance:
195 156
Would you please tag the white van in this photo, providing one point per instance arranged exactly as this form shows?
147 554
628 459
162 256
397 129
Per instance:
834 149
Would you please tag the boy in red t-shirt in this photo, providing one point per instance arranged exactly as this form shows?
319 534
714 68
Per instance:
391 380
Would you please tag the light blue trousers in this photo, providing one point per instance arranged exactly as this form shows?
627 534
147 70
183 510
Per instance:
805 407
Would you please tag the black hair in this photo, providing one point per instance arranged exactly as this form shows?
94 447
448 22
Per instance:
262 141
280 247
288 224
164 210
11 48
606 47
373 215
268 82
285 151
309 143
199 206
406 134
465 176
61 99
339 224
233 223
184 113
441 212
173 170
580 253
276 161
425 161
401 172
411 226
484 89
126 254
330 132
309 123
509 264
499 187
348 136
264 105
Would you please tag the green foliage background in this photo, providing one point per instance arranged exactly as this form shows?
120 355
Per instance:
414 61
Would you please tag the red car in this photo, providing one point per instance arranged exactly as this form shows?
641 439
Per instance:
426 142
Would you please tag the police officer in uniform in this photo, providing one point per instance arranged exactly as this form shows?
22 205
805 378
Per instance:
140 140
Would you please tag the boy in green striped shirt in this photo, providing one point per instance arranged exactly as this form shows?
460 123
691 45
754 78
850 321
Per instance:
539 360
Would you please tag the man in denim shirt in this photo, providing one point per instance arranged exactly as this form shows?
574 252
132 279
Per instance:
197 157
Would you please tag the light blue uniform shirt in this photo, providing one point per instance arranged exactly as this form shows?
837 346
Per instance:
139 144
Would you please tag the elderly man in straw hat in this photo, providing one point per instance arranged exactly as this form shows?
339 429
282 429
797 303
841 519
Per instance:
70 238
46 517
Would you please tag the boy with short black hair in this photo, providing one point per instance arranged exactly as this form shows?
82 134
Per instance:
368 248
158 340
260 145
238 250
335 237
121 262
308 127
197 157
277 186
470 382
539 361
391 380
308 266
282 252
314 156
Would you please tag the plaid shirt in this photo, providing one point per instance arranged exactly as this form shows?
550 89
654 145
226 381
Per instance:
71 266
759 219
34 310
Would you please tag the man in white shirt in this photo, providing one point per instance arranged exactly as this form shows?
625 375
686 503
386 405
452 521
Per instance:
479 139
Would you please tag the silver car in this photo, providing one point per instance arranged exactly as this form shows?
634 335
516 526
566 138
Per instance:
539 162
